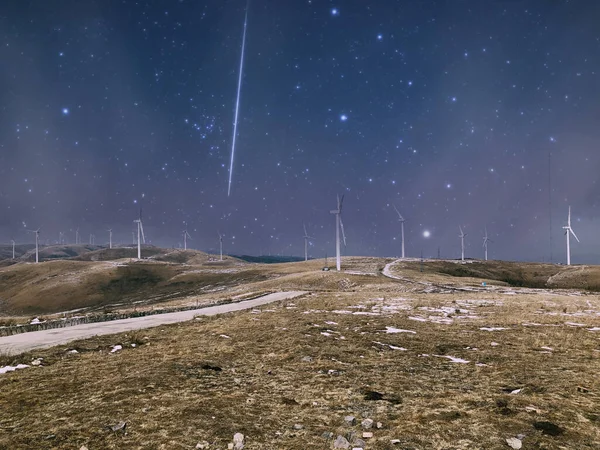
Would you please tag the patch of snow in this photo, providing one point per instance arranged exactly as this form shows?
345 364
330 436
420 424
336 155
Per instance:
7 369
35 321
547 348
341 311
494 344
325 333
575 324
116 348
224 336
329 322
594 329
418 319
493 328
516 391
453 359
391 330
393 347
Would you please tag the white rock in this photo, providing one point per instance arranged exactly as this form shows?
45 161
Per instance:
238 441
367 424
341 442
350 420
379 425
202 445
367 434
116 348
514 443
298 426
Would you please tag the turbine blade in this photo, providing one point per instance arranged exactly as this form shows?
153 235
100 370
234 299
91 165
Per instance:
305 233
142 230
341 201
574 235
343 233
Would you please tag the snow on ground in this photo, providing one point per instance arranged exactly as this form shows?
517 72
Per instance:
493 328
116 348
393 347
393 330
7 369
453 359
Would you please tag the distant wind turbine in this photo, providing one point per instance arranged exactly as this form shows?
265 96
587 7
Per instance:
13 247
140 233
338 226
401 220
186 236
306 238
109 237
77 236
220 244
568 232
462 236
37 240
486 239
61 237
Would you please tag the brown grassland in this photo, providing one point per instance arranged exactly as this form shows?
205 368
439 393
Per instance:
314 360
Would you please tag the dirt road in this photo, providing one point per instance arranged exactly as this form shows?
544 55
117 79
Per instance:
24 342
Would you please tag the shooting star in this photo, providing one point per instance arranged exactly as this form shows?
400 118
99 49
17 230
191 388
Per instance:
237 102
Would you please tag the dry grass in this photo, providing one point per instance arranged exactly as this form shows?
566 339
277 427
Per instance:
171 394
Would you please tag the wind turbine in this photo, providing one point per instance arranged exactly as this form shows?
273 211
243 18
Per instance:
37 240
568 230
109 237
13 246
60 237
306 238
186 236
486 239
338 225
77 236
220 244
140 232
462 236
402 220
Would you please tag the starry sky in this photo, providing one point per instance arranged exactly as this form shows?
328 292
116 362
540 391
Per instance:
471 113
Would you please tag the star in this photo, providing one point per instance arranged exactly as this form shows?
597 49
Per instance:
343 117
335 12
65 111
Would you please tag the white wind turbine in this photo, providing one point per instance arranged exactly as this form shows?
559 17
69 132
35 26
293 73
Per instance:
486 239
402 220
37 240
338 226
12 241
568 232
306 238
462 236
186 236
220 244
109 237
61 237
140 232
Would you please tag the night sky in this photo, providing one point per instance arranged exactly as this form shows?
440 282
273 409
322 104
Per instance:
447 109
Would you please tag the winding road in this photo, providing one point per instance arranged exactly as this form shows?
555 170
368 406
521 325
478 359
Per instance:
20 343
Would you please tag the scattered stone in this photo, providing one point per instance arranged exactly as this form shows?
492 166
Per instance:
359 443
121 426
37 362
367 424
350 420
73 351
395 441
514 443
327 435
307 359
379 425
298 426
202 445
341 442
230 446
238 441
83 447
367 434
548 428
116 348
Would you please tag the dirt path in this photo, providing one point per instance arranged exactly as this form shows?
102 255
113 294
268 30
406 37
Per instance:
24 342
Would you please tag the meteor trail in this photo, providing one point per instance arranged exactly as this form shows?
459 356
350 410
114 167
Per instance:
237 102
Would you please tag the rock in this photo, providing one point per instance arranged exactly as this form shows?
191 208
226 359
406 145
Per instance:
37 362
367 434
298 426
379 425
367 424
350 420
359 443
83 447
230 446
118 427
341 442
307 359
238 441
514 443
202 445
327 435
395 441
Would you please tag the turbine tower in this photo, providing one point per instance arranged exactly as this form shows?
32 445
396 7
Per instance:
402 220
12 241
186 236
61 238
306 238
140 232
109 237
486 239
462 236
338 225
568 232
220 245
37 240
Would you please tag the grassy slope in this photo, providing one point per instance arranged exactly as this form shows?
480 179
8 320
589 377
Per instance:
170 397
